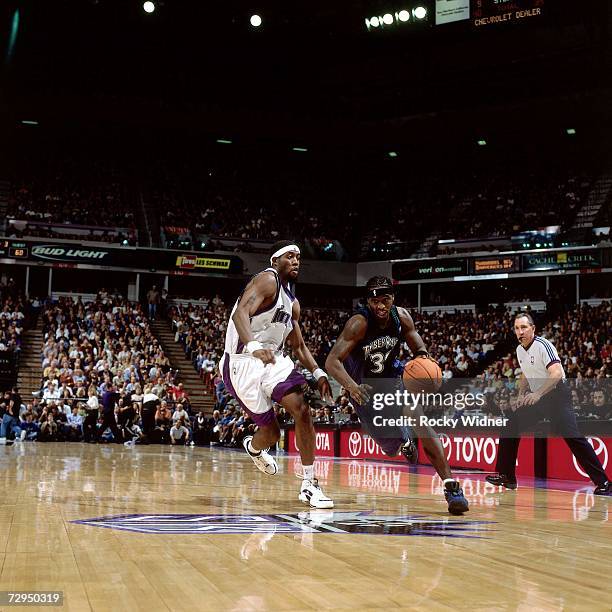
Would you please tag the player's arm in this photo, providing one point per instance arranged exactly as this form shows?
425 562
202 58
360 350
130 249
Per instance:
296 341
258 292
411 336
354 332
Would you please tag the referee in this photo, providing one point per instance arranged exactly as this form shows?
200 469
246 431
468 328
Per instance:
543 393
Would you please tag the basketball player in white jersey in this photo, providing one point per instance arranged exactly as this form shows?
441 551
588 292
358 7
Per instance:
256 372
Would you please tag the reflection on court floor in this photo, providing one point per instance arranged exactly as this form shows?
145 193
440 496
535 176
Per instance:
161 528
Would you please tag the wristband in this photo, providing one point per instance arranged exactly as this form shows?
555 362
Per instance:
319 373
423 352
253 346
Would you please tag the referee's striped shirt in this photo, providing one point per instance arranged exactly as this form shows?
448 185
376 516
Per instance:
535 361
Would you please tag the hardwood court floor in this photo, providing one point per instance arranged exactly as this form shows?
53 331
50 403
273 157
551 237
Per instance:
532 549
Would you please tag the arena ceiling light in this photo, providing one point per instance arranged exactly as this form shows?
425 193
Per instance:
570 131
398 18
148 7
300 149
482 143
255 21
392 154
224 141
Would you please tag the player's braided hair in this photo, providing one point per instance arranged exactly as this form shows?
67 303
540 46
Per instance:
378 281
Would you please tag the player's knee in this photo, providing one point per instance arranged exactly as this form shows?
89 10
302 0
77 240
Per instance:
303 413
297 407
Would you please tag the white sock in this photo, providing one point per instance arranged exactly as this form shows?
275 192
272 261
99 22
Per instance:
308 472
446 480
251 449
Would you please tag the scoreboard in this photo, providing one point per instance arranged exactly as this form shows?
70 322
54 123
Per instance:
492 12
13 249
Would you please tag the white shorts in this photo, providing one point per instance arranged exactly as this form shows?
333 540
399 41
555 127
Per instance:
256 385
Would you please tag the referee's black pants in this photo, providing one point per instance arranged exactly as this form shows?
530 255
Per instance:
556 406
148 420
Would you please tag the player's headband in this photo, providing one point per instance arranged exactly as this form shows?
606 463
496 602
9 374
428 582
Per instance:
378 291
285 249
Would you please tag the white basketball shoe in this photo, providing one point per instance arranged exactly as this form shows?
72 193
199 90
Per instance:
263 460
311 494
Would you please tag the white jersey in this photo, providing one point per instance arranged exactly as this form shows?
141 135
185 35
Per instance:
535 361
270 326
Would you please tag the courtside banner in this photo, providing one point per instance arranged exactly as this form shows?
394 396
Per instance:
479 452
325 442
357 444
560 463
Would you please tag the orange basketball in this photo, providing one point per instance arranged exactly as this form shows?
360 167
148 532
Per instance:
422 375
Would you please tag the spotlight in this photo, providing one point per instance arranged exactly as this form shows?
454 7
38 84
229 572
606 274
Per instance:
403 16
392 154
255 21
148 7
482 143
387 18
374 22
420 12
570 131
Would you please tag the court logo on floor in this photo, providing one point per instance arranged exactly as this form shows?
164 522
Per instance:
315 521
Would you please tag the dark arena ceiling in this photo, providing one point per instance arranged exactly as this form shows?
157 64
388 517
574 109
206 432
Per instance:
311 68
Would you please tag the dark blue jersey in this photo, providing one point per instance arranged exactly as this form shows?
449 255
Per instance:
376 355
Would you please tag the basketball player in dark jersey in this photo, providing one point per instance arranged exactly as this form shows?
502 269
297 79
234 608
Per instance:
367 349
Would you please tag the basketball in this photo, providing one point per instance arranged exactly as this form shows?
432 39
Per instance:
422 375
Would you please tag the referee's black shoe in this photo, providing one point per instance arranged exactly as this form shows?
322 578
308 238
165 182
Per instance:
501 480
604 489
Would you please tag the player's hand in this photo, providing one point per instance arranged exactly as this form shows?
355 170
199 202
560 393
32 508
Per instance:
266 355
361 393
428 357
325 390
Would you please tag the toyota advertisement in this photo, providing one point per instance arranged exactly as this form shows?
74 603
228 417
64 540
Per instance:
324 442
479 452
560 462
358 445
468 451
